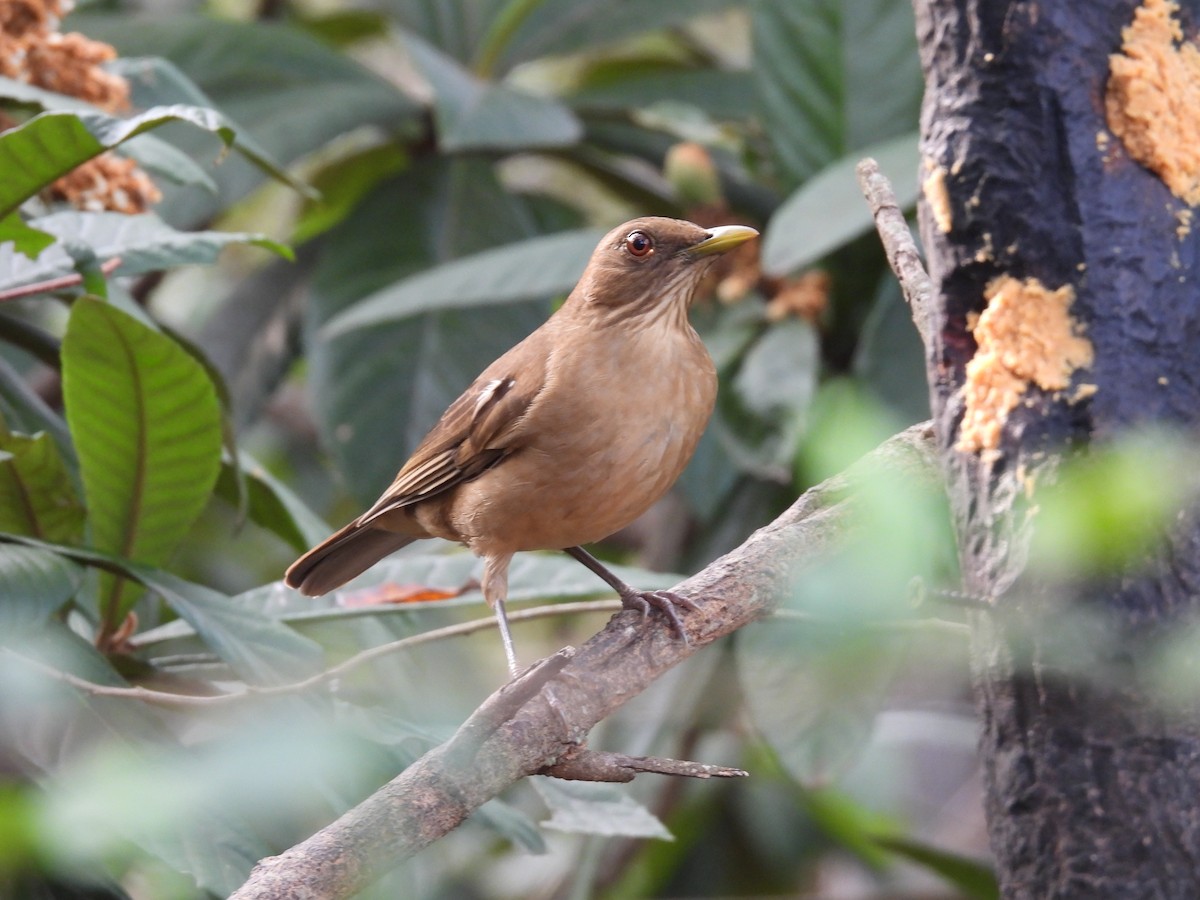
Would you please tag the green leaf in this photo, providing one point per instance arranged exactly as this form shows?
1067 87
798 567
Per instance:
774 387
890 358
819 66
23 408
829 210
538 267
814 692
148 151
579 807
272 504
51 144
25 239
147 428
343 184
478 115
143 242
269 77
627 85
34 585
555 27
37 496
259 648
971 876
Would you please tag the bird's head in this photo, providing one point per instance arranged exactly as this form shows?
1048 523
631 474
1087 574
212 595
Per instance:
653 264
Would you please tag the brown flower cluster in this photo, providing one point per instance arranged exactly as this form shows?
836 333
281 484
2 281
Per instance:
34 51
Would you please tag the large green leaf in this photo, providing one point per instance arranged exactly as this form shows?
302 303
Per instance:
378 390
147 428
143 242
477 115
820 67
50 144
828 211
37 494
537 267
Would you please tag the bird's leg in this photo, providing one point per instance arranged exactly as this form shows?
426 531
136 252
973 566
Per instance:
631 598
495 590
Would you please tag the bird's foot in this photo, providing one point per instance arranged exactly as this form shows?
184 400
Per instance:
666 602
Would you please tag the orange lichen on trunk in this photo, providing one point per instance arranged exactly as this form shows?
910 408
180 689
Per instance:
1025 336
1153 97
938 198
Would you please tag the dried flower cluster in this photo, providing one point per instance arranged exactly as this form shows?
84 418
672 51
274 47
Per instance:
34 51
693 175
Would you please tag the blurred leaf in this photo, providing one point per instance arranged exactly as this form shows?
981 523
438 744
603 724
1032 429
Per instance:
814 691
268 76
829 211
555 27
272 504
1104 513
890 358
344 26
37 495
511 824
258 647
626 84
974 878
143 242
538 267
818 65
579 807
147 427
23 408
25 239
379 390
343 184
850 824
476 115
774 387
34 585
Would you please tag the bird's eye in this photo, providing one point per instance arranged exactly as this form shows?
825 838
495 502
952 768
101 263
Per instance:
639 244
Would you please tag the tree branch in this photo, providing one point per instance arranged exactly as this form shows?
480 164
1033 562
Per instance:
902 253
437 792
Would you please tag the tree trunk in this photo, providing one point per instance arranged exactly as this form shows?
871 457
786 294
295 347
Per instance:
1093 785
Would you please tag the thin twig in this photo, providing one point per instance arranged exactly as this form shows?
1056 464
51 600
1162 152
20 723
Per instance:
459 629
582 764
901 249
55 284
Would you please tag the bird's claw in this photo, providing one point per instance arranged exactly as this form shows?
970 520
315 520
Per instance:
667 602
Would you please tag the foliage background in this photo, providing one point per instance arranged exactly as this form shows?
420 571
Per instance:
251 402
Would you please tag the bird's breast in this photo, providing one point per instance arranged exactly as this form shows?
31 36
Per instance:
610 434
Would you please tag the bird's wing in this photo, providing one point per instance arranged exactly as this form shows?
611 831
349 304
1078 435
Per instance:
472 436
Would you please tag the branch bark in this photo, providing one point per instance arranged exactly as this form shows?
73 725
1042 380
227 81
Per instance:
506 740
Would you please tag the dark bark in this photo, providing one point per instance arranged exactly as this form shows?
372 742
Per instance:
1093 788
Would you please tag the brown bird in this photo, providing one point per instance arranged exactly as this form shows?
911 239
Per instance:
566 438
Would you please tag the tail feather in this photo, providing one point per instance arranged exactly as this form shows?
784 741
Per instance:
345 554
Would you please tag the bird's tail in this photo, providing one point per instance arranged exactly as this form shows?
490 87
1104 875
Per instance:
345 554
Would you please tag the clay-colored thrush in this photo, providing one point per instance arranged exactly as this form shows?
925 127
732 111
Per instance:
567 437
